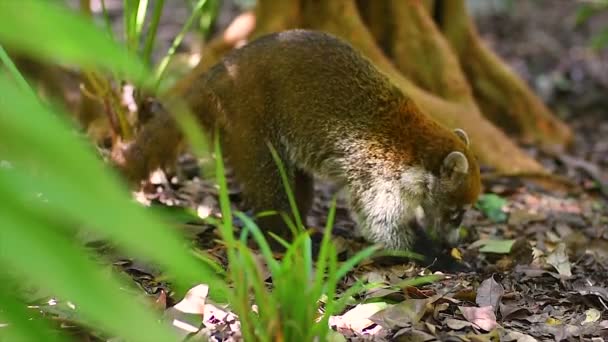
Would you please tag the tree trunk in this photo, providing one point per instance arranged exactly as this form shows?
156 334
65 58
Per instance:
503 97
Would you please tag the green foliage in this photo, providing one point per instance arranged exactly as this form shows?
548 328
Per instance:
496 246
209 13
491 205
12 70
134 13
23 327
589 9
75 190
292 310
52 184
151 35
55 184
600 41
26 27
162 66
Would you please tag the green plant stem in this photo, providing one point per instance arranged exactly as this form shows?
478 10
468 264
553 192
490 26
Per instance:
162 66
130 8
13 71
106 18
103 89
140 18
151 35
290 195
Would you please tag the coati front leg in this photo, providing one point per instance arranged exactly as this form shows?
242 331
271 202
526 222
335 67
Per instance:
258 174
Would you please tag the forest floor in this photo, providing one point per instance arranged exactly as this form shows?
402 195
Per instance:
547 276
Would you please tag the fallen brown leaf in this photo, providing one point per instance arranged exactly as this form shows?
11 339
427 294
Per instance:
484 317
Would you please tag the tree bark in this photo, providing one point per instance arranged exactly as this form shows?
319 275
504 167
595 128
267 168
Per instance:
503 97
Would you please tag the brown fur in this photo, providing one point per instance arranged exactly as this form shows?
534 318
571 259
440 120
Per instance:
330 113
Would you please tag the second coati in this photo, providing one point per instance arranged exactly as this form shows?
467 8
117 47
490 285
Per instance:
329 113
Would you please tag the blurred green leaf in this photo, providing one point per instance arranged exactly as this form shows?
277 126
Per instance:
175 214
589 9
142 10
491 205
209 13
24 324
496 246
77 188
584 12
134 17
418 281
130 9
600 40
288 190
36 247
13 71
151 34
45 29
162 66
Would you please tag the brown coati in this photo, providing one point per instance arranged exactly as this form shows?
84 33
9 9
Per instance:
329 113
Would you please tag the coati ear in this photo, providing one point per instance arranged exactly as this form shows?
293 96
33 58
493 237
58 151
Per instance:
463 136
455 166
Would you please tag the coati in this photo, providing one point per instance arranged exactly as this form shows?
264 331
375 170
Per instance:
330 113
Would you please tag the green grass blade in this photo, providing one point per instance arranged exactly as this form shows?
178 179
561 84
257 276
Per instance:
162 66
151 34
260 240
24 324
326 242
189 125
226 229
359 287
295 250
330 290
25 21
267 307
324 251
287 186
76 185
306 251
106 18
349 264
130 8
13 71
429 279
289 223
52 261
279 239
208 15
140 18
